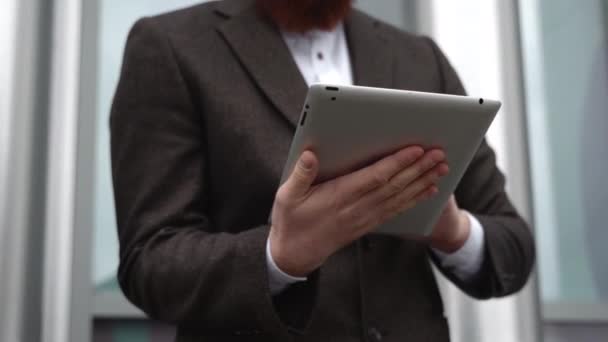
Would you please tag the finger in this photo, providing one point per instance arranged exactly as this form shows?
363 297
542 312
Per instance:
430 160
428 179
382 197
378 174
408 175
302 177
378 217
420 190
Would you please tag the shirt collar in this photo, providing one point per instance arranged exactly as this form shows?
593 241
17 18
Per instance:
325 38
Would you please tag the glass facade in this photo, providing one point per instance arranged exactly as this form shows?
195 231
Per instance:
565 49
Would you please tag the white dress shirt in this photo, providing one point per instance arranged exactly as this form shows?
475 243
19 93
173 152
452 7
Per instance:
323 57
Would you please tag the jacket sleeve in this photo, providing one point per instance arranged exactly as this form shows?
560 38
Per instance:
509 245
173 264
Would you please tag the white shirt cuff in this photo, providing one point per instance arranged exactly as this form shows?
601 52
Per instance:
278 280
466 262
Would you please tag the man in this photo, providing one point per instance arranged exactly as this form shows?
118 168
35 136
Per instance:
201 125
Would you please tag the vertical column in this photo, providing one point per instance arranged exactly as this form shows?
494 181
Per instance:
25 40
9 323
67 286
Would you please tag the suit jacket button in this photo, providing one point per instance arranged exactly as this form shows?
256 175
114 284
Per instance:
374 334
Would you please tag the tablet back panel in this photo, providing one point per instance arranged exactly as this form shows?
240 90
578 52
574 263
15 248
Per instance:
349 127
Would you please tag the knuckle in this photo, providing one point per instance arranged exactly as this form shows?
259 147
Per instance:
282 197
299 175
395 187
403 161
378 179
420 168
431 178
336 205
349 216
339 198
342 217
426 164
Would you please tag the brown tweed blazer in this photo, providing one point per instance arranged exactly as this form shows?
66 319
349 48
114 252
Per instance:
201 124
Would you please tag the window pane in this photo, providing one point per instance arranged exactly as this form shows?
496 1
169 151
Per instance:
566 66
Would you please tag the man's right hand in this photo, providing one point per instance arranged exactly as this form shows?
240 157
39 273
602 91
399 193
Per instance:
312 222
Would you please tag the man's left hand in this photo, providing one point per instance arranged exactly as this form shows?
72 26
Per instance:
452 229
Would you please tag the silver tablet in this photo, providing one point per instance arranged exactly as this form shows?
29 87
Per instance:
349 127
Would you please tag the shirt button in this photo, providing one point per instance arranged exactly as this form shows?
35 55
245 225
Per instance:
320 56
374 334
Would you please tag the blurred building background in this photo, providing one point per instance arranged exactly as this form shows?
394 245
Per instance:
547 60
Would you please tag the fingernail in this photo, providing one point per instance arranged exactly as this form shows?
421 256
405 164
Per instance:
306 162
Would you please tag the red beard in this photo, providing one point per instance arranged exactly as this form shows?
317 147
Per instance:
304 15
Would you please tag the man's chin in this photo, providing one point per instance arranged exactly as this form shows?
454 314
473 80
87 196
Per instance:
305 15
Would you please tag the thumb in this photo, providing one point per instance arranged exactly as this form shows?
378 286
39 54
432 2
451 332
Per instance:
303 174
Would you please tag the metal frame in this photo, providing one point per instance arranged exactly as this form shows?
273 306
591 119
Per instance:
67 262
573 312
519 186
23 154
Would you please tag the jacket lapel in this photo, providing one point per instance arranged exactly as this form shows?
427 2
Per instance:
370 51
261 49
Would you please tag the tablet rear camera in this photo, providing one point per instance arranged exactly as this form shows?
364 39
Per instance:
480 101
333 99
